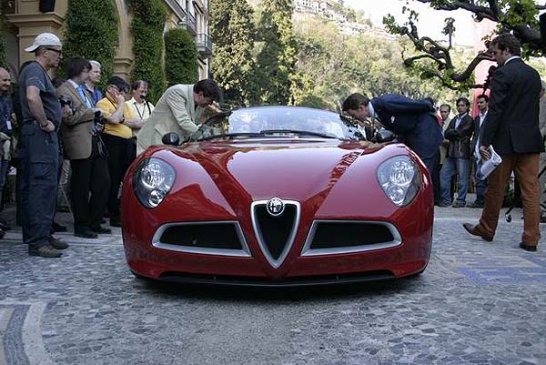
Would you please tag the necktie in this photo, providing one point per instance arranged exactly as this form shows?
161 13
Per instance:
84 97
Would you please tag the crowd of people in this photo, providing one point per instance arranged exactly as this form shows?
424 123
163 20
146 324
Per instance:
507 122
100 134
96 131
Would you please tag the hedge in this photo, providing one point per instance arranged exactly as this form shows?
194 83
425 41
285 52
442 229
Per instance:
180 57
147 26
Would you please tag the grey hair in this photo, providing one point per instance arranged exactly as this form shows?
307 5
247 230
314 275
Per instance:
95 63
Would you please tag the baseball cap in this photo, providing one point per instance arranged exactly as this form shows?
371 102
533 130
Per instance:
121 84
44 39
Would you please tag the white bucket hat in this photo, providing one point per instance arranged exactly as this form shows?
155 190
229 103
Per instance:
44 39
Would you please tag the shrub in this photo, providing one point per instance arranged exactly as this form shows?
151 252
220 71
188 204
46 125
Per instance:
91 31
147 26
180 57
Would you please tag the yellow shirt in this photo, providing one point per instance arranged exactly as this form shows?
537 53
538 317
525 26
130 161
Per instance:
107 107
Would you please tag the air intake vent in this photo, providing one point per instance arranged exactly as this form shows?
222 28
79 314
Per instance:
275 231
334 237
214 238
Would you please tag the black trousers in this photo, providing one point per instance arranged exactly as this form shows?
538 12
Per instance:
120 156
39 154
89 189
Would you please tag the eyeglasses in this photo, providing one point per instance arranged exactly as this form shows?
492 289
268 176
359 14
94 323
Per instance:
58 51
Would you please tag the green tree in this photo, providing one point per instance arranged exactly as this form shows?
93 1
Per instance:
275 63
331 66
147 29
92 32
433 59
232 29
180 57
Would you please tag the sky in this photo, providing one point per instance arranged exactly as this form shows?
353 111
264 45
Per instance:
431 22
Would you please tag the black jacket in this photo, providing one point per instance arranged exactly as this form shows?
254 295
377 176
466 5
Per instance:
511 125
459 138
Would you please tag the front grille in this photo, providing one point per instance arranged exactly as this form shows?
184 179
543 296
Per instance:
331 237
275 234
223 238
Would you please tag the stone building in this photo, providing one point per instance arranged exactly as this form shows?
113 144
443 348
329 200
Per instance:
27 18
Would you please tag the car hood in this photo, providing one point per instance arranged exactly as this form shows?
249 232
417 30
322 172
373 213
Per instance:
295 170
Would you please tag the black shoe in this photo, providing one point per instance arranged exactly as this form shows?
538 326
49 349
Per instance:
86 234
530 248
476 205
115 222
101 230
57 243
58 228
44 251
4 226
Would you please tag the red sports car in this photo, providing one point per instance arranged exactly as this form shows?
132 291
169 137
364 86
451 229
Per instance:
277 196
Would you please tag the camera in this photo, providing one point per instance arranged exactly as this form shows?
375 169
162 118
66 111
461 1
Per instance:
98 123
65 101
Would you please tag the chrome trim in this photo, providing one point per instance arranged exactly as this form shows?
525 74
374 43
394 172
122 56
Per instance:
275 263
244 252
307 251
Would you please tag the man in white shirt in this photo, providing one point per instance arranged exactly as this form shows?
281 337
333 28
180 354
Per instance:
481 185
139 104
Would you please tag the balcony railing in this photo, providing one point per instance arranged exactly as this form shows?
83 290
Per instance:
186 19
190 23
204 44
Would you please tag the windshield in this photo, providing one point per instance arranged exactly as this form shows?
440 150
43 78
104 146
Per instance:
277 121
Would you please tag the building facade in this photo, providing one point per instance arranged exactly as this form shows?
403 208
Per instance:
25 19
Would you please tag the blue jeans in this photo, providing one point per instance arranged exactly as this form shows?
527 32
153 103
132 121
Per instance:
453 166
39 154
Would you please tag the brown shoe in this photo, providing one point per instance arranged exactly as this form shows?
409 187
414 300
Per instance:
44 251
477 231
526 247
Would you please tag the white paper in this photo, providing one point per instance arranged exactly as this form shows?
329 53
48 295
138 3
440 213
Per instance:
485 168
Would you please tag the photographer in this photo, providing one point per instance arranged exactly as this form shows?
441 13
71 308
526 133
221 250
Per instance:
84 148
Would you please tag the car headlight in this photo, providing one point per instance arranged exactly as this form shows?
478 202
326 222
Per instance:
152 181
400 179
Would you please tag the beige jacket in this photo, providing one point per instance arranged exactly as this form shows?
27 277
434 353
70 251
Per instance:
174 112
76 129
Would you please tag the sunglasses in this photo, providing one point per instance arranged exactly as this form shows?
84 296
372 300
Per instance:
58 51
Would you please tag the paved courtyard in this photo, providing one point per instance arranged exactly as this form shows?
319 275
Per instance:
477 303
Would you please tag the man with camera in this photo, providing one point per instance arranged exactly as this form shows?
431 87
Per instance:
84 148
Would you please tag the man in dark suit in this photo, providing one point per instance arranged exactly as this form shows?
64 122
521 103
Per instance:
414 121
511 127
481 185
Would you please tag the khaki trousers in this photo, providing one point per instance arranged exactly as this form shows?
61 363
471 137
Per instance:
525 167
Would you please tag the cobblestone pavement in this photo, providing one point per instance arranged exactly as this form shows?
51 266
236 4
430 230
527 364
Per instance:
477 303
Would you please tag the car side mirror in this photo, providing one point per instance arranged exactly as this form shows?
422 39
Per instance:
171 139
384 135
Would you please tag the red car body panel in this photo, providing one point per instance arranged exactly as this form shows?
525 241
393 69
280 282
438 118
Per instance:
331 179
